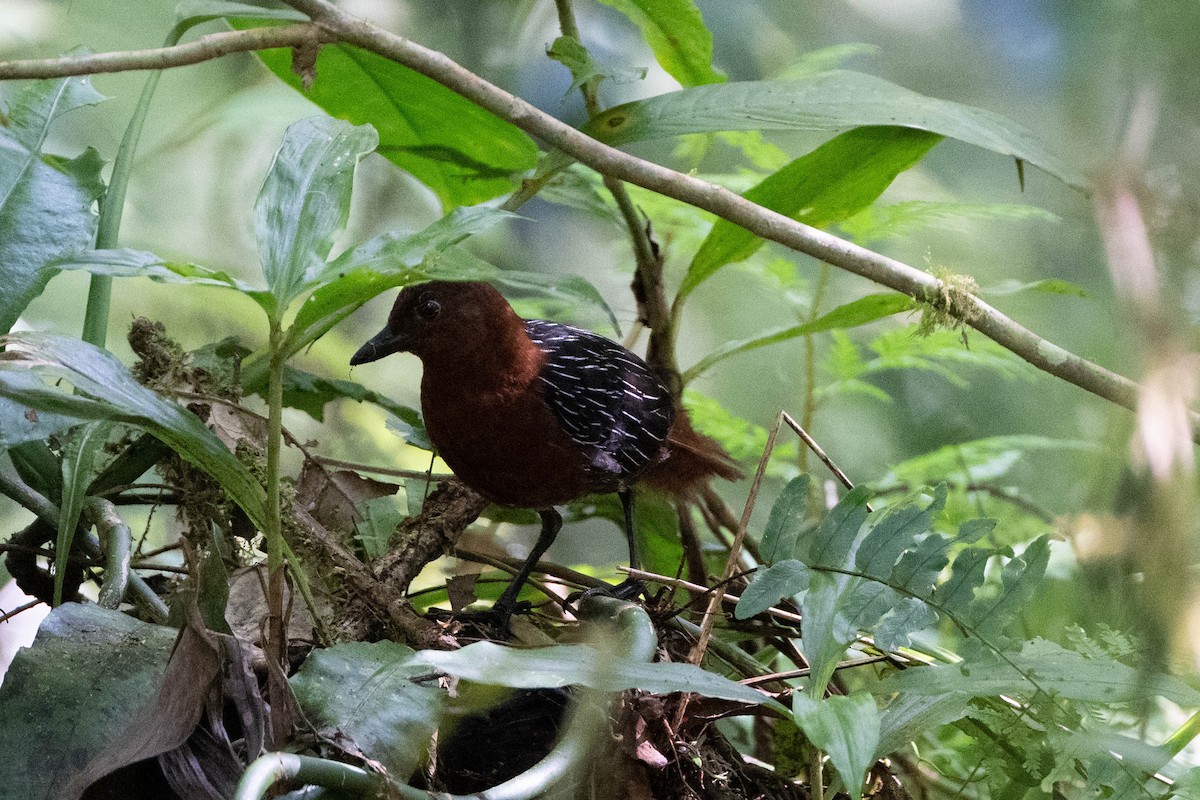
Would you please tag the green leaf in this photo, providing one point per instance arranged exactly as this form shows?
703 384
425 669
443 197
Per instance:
830 545
899 220
827 101
676 33
1019 579
789 517
310 393
109 391
986 459
80 685
380 516
45 204
1042 665
825 59
1046 286
126 263
464 154
833 182
384 262
364 691
570 52
77 473
20 422
850 315
769 586
305 201
584 665
910 717
846 728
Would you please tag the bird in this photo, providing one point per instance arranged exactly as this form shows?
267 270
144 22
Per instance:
534 414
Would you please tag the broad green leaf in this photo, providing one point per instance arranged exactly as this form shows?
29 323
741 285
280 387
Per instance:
380 516
45 203
384 262
789 516
364 691
464 154
77 473
584 665
857 312
109 391
831 183
126 263
830 101
570 52
1046 286
676 33
845 728
80 685
769 586
305 201
1043 665
20 422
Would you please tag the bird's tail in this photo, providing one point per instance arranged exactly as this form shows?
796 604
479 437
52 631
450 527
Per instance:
692 460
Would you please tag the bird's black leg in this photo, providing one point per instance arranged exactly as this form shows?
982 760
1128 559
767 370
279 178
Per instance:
631 587
551 524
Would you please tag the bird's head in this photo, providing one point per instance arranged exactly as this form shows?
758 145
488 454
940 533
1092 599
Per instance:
443 319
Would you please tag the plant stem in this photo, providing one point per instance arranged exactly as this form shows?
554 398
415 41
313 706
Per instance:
810 360
276 635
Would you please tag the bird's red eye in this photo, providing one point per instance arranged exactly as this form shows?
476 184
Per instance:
429 309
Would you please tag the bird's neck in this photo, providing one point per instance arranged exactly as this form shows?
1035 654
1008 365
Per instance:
499 360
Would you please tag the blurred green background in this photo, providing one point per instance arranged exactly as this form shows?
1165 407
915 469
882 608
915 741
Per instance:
1067 70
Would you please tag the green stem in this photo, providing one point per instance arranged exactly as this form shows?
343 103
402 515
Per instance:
810 361
276 635
112 205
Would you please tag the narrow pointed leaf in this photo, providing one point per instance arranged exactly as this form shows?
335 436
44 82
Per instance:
831 101
305 200
675 31
787 521
830 184
126 263
21 422
830 545
770 585
77 474
845 728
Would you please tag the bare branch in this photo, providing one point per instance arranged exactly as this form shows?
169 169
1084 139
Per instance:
613 163
206 48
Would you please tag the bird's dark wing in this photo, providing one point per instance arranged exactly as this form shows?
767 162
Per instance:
606 398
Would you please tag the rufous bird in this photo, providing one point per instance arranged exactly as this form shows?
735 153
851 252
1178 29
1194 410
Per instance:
534 414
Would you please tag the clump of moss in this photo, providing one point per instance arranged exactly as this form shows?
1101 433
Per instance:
951 306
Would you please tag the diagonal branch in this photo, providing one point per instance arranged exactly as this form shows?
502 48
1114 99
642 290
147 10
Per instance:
206 48
332 24
613 163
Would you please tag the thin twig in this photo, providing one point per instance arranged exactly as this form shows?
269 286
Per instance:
7 615
398 473
816 448
802 673
726 597
206 48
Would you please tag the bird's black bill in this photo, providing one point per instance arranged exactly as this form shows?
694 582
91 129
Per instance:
381 344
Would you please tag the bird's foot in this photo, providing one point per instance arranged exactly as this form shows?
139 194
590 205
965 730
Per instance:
628 589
